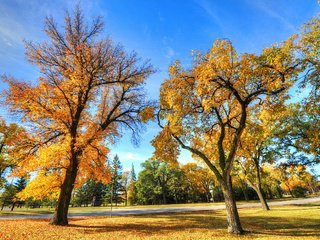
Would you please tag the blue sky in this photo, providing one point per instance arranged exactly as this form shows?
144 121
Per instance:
161 31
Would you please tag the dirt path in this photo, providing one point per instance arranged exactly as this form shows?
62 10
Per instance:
141 211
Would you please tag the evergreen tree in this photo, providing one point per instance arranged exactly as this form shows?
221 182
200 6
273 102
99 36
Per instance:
132 191
91 192
126 184
8 196
114 189
21 184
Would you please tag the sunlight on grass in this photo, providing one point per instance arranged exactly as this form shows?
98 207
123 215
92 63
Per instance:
47 210
289 222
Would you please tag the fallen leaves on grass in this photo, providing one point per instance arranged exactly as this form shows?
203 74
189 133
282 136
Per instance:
291 222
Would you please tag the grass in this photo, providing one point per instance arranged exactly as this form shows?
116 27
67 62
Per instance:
286 222
47 210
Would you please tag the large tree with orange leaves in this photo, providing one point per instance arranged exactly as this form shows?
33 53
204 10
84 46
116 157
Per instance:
89 91
205 109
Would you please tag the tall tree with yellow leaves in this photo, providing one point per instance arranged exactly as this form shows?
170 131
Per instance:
204 109
89 91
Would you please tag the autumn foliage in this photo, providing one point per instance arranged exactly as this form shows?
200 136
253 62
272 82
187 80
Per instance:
89 91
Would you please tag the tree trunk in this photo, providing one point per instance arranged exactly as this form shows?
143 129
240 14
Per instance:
208 197
244 189
258 189
13 205
270 194
279 192
233 220
126 198
60 216
164 198
262 198
291 193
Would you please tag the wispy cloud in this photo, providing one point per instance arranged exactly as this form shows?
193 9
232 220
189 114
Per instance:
211 12
271 12
169 52
12 32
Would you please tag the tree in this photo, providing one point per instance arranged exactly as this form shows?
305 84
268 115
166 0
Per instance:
115 187
19 185
132 189
91 192
257 148
90 90
7 133
80 196
204 109
9 196
198 182
272 181
155 184
309 45
296 180
125 186
149 190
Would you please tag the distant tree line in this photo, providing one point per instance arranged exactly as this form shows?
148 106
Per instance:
163 183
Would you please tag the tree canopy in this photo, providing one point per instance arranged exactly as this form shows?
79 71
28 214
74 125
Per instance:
89 90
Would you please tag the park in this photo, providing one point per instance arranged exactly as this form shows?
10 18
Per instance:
99 140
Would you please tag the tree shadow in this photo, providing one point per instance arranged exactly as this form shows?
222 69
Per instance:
173 222
255 226
282 226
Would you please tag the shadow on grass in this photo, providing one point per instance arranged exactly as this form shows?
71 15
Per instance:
255 226
317 204
278 226
162 224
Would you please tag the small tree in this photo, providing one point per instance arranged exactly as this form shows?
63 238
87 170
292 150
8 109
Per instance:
125 186
9 196
7 133
115 187
132 189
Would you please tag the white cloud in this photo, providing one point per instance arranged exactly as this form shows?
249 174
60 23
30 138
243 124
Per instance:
130 156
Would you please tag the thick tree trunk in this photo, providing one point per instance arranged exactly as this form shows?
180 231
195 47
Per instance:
60 216
233 220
